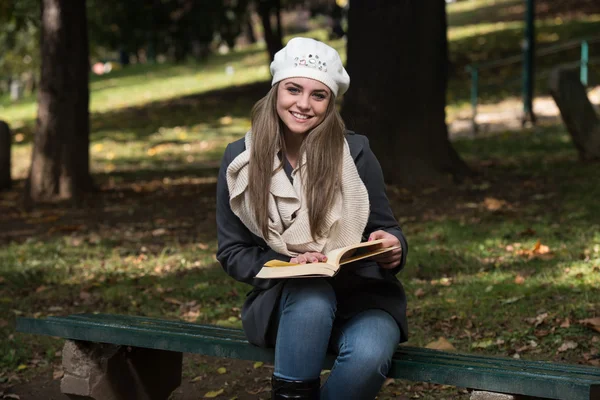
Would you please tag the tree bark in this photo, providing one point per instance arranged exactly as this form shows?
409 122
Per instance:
60 157
5 140
577 112
398 61
273 37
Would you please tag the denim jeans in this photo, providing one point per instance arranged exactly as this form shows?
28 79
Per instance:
307 326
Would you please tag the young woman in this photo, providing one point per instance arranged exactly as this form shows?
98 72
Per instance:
295 187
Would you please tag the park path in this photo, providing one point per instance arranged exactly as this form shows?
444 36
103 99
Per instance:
506 115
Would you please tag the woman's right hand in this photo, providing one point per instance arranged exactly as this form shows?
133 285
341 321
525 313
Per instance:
308 257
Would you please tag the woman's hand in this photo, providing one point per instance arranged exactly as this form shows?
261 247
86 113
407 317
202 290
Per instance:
391 259
308 257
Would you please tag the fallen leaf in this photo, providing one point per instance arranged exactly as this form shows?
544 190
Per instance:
213 394
519 279
493 204
441 344
419 292
226 120
11 396
593 323
537 321
568 345
222 370
159 232
566 323
258 364
191 316
511 300
196 379
484 344
325 372
57 374
388 382
40 289
172 300
21 367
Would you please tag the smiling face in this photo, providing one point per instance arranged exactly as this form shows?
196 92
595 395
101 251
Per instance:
302 104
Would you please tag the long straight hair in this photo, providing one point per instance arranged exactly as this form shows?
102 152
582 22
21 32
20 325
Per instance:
323 147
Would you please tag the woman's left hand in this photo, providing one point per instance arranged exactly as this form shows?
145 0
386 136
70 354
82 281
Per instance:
391 259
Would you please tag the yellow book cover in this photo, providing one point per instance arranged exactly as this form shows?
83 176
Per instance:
335 259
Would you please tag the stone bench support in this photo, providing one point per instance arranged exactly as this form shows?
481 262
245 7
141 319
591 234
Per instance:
108 372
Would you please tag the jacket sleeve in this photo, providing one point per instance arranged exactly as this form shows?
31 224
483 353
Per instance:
381 216
238 252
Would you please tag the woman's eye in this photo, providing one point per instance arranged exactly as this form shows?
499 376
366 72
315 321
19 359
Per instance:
293 90
320 96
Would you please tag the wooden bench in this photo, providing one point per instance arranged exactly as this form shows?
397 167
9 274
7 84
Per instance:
110 357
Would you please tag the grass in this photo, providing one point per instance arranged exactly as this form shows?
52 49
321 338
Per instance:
505 264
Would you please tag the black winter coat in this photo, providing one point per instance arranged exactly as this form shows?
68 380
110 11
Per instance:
359 286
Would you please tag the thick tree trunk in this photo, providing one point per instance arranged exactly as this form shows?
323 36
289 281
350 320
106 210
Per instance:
577 112
5 140
273 37
60 157
397 60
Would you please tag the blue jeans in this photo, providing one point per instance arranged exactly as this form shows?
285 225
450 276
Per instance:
307 327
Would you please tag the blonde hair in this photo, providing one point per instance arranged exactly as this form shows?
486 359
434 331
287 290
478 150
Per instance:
323 147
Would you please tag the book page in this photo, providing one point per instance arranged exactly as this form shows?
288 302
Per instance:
339 256
297 270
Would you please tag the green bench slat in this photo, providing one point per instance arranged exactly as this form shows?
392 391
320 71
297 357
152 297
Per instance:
505 375
524 364
150 324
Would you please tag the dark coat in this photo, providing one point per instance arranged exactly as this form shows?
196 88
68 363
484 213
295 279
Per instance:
359 286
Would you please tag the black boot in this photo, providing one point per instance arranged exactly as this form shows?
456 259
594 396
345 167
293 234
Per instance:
298 390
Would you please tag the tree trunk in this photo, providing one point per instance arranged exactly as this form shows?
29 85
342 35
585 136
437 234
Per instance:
60 157
577 111
273 38
250 29
5 139
398 60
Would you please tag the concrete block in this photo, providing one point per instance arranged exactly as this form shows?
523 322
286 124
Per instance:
108 372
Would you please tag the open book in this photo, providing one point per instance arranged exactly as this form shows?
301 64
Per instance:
335 259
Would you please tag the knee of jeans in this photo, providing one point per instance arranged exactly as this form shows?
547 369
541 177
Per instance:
316 295
374 345
372 355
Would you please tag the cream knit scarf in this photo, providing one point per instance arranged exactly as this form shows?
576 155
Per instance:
289 228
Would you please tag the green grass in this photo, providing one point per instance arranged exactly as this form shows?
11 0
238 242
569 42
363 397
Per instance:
144 244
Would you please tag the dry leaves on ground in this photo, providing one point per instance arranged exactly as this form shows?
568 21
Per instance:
441 344
539 250
593 323
568 345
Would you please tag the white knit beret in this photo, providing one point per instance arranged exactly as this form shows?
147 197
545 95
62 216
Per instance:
309 58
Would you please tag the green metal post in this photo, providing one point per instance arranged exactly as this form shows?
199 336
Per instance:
474 95
528 63
585 58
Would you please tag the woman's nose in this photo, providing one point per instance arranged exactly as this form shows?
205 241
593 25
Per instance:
303 102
